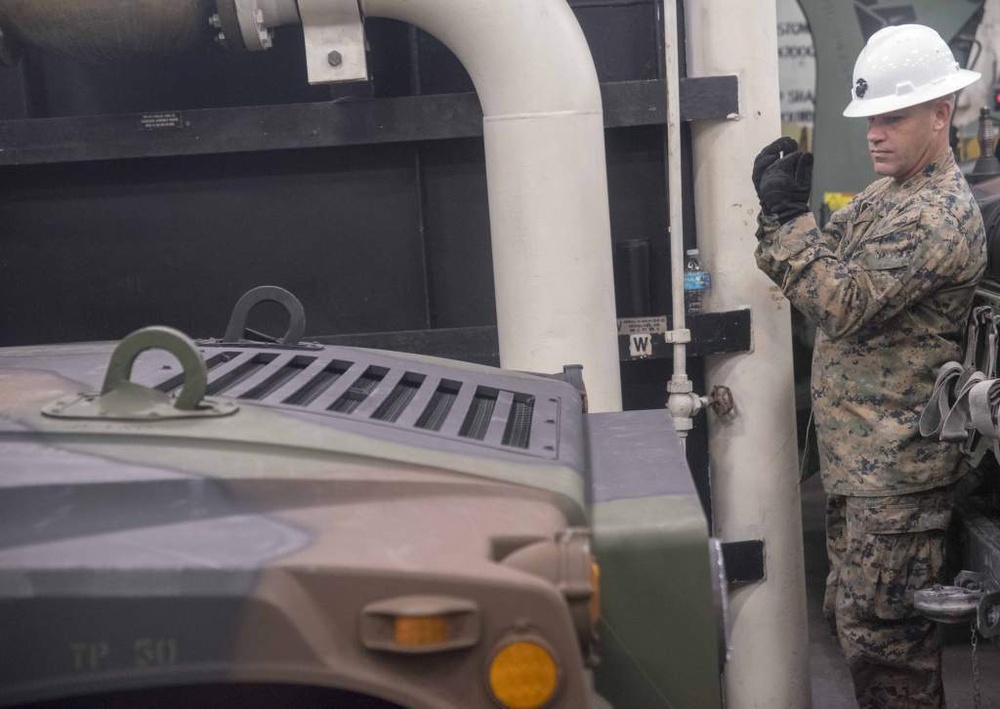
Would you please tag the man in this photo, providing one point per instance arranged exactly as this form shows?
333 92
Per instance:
889 284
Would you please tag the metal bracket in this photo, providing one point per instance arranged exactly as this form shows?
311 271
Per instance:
676 337
744 561
335 41
123 400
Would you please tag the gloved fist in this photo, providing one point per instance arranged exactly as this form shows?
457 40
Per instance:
783 182
769 155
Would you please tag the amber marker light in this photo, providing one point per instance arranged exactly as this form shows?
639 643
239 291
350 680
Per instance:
420 631
523 675
420 624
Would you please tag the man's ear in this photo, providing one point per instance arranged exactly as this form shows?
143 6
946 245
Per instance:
942 114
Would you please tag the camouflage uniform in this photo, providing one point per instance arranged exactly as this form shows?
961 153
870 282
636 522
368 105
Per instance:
889 284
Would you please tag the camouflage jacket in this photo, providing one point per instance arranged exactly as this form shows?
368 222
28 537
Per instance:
889 284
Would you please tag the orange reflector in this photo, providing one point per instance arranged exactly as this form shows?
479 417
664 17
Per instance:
523 675
420 631
595 590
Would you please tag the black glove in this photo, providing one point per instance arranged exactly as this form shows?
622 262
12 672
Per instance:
769 155
785 185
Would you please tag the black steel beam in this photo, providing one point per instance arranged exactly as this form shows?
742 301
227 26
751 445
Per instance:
325 124
711 333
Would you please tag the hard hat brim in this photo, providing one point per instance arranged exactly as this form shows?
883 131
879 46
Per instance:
859 108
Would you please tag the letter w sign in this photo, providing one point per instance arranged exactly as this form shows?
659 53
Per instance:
640 345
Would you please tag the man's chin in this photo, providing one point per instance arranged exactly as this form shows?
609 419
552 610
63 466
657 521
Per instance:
883 169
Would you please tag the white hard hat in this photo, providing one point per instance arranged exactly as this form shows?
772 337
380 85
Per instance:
902 66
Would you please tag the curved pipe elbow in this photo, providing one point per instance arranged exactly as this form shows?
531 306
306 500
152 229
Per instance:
524 57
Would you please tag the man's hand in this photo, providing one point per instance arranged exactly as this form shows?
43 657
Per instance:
783 178
769 155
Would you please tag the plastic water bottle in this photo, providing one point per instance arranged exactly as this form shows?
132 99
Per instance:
696 281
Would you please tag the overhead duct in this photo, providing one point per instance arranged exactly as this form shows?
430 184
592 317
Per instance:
94 30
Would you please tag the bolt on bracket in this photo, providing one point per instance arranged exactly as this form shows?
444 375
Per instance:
334 26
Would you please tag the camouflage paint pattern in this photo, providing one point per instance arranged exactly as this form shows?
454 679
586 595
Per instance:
146 555
889 284
881 550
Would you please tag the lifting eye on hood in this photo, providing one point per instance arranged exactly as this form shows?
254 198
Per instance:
121 399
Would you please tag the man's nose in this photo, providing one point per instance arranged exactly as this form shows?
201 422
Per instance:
875 133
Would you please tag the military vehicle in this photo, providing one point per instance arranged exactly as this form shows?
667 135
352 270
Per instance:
284 523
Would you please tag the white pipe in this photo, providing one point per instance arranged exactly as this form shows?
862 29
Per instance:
753 456
674 194
543 126
682 402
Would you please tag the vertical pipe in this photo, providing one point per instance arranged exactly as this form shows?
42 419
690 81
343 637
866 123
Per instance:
543 128
674 183
753 456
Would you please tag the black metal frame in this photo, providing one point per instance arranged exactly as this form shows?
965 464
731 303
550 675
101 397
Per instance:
366 121
712 333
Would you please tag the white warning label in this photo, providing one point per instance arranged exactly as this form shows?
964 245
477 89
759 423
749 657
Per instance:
160 121
642 326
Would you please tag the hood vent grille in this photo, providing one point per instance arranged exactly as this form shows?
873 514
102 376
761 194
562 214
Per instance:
399 398
477 420
433 417
518 431
402 393
317 383
362 387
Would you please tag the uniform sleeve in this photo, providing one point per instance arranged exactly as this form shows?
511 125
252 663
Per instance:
895 266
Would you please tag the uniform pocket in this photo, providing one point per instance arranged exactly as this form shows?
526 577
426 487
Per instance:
896 565
898 549
880 262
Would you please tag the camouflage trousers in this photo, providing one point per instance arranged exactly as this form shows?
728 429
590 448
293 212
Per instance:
881 550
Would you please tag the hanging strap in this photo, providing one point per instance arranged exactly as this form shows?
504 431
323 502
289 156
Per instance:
942 399
956 425
984 408
950 410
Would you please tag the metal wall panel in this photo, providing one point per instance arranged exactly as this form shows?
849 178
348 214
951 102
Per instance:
94 250
456 214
